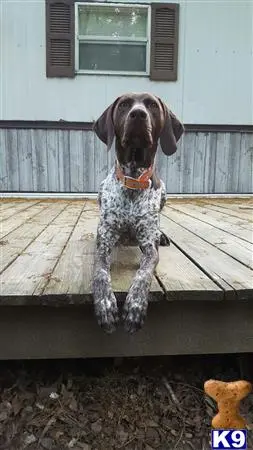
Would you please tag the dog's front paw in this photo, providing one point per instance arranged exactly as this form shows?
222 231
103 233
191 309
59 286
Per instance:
106 311
134 312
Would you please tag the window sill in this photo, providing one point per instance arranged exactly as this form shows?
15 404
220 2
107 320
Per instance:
113 73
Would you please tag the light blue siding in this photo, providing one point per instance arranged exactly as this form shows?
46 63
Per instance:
215 72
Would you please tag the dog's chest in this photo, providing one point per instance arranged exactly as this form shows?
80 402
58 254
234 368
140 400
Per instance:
128 205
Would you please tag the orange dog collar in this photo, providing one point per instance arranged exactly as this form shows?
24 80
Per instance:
143 182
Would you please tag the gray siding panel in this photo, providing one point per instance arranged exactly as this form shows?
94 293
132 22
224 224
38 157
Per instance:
89 161
198 168
25 154
76 153
3 162
64 160
234 161
222 162
210 164
245 179
12 159
39 143
188 162
53 161
36 160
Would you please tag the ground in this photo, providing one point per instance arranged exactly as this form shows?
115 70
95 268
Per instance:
132 404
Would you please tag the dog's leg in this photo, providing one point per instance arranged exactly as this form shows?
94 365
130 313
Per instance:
136 304
105 303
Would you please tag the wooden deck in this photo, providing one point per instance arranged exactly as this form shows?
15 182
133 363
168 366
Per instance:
201 296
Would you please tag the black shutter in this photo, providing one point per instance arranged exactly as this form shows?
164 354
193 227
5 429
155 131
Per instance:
60 38
164 41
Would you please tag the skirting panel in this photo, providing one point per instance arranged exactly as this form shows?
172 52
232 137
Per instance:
64 160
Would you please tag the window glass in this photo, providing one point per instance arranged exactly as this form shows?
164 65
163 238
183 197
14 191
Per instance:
113 22
112 57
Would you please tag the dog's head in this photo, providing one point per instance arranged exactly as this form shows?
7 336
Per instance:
138 122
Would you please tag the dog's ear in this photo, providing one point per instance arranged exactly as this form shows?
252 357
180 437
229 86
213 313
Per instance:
104 126
171 132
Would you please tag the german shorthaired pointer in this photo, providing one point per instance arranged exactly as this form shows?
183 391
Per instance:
131 198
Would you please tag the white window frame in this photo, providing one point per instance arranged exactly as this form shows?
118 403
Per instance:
78 38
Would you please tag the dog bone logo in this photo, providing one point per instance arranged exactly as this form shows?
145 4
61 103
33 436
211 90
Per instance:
228 397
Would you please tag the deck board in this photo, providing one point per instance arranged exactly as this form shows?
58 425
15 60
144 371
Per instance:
231 225
46 267
19 239
231 213
227 216
13 222
47 254
182 279
232 245
72 273
240 209
11 209
29 273
228 273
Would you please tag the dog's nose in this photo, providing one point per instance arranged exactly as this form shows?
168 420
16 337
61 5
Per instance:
138 113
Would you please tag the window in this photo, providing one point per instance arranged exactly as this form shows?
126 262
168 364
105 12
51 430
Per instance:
112 38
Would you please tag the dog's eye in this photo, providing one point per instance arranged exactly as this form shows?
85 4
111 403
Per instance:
124 104
153 105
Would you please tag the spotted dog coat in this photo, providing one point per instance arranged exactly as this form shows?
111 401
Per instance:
136 122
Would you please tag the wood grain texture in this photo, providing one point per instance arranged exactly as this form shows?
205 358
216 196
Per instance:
89 162
235 143
48 253
218 220
182 279
40 169
170 329
64 161
25 154
232 245
77 149
210 163
245 179
4 175
222 162
4 205
73 271
229 274
28 275
52 156
198 168
244 211
14 222
14 209
19 239
55 160
12 149
188 162
220 207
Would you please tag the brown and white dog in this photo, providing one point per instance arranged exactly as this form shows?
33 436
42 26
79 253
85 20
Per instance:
131 198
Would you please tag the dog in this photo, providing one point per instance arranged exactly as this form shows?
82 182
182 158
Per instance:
130 199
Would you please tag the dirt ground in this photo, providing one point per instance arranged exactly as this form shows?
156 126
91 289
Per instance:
132 404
